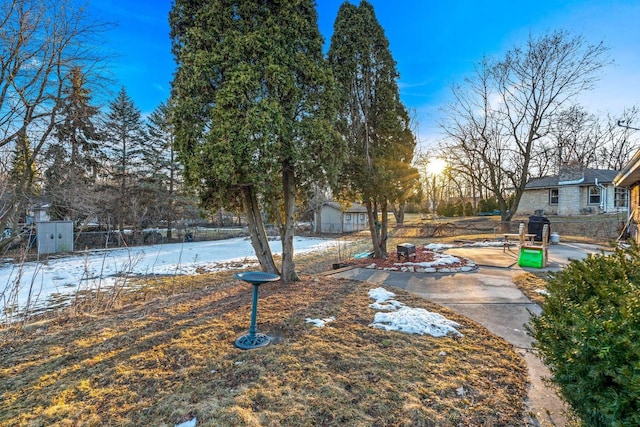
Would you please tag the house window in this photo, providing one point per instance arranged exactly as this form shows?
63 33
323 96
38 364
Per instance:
553 196
347 217
621 198
594 195
361 217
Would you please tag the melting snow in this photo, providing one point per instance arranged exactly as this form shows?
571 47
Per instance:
190 423
408 319
320 323
436 246
104 268
440 259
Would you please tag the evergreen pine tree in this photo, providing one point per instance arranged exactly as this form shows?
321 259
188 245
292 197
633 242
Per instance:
24 175
74 156
124 145
254 108
163 167
371 118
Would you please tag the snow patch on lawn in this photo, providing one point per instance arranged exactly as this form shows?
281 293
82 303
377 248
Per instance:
321 323
190 423
407 319
440 259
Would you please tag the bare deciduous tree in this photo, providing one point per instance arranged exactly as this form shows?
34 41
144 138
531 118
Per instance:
620 142
41 41
500 115
593 141
578 135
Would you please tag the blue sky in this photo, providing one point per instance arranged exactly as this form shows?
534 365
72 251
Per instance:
434 42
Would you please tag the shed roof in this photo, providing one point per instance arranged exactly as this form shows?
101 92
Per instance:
354 208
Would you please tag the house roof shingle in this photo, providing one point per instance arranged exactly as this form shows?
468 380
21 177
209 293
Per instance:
604 176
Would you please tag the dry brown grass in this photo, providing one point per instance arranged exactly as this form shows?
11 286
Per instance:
167 356
531 285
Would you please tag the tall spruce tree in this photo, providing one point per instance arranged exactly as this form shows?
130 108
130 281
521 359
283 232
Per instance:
74 156
253 107
163 167
125 138
371 118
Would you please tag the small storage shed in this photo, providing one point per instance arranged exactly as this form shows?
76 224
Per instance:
333 218
54 236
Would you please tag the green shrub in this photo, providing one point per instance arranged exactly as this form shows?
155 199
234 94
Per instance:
446 209
468 209
588 334
488 205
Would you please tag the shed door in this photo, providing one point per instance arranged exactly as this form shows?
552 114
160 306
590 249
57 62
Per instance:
54 236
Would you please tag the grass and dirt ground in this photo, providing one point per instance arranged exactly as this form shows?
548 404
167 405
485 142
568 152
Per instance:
166 354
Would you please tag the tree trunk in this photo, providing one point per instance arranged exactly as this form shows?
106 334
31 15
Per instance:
398 212
373 226
505 226
259 239
505 216
123 183
288 230
378 230
171 191
384 228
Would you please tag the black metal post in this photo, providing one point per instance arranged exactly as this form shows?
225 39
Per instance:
254 313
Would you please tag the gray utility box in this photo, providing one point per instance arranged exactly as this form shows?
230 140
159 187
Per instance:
54 236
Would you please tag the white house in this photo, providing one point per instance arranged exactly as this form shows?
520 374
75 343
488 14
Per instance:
333 218
574 191
38 213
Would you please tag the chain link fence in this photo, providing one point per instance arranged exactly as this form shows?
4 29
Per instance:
116 239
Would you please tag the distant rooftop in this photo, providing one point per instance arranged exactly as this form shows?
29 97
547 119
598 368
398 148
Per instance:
604 176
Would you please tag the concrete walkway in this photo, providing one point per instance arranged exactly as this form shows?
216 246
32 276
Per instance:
489 297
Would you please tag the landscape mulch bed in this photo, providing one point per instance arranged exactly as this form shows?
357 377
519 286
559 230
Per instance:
423 255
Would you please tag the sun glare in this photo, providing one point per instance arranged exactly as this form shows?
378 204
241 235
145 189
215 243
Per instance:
436 166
